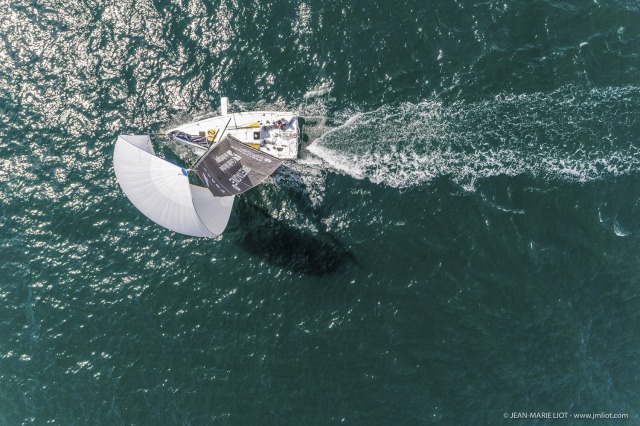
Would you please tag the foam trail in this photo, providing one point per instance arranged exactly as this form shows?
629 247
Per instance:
570 134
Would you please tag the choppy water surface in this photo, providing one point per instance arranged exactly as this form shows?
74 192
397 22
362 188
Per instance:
458 240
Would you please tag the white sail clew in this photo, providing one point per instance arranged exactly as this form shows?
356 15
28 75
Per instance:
162 191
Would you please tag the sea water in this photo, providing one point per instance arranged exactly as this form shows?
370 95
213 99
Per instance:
457 244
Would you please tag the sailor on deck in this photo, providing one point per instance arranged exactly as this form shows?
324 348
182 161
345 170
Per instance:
282 123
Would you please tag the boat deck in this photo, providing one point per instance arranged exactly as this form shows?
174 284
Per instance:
273 132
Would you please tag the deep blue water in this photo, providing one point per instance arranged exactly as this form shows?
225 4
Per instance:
459 239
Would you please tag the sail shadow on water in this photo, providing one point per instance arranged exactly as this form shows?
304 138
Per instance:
285 246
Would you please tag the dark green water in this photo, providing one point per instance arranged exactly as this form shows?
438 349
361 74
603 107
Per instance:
460 239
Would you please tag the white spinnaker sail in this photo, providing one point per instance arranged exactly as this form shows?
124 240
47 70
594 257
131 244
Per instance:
162 192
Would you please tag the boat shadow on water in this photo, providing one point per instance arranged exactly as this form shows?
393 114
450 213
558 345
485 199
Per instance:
286 246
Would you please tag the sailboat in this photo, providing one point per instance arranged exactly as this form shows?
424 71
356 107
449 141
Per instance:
235 152
276 133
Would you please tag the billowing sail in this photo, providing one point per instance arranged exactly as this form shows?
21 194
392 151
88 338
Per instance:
162 192
231 167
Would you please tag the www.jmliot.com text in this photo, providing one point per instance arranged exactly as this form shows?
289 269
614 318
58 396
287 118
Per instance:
564 415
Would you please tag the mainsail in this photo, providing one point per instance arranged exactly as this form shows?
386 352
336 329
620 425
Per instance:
231 167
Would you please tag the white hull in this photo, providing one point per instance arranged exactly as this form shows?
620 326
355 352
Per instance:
257 129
